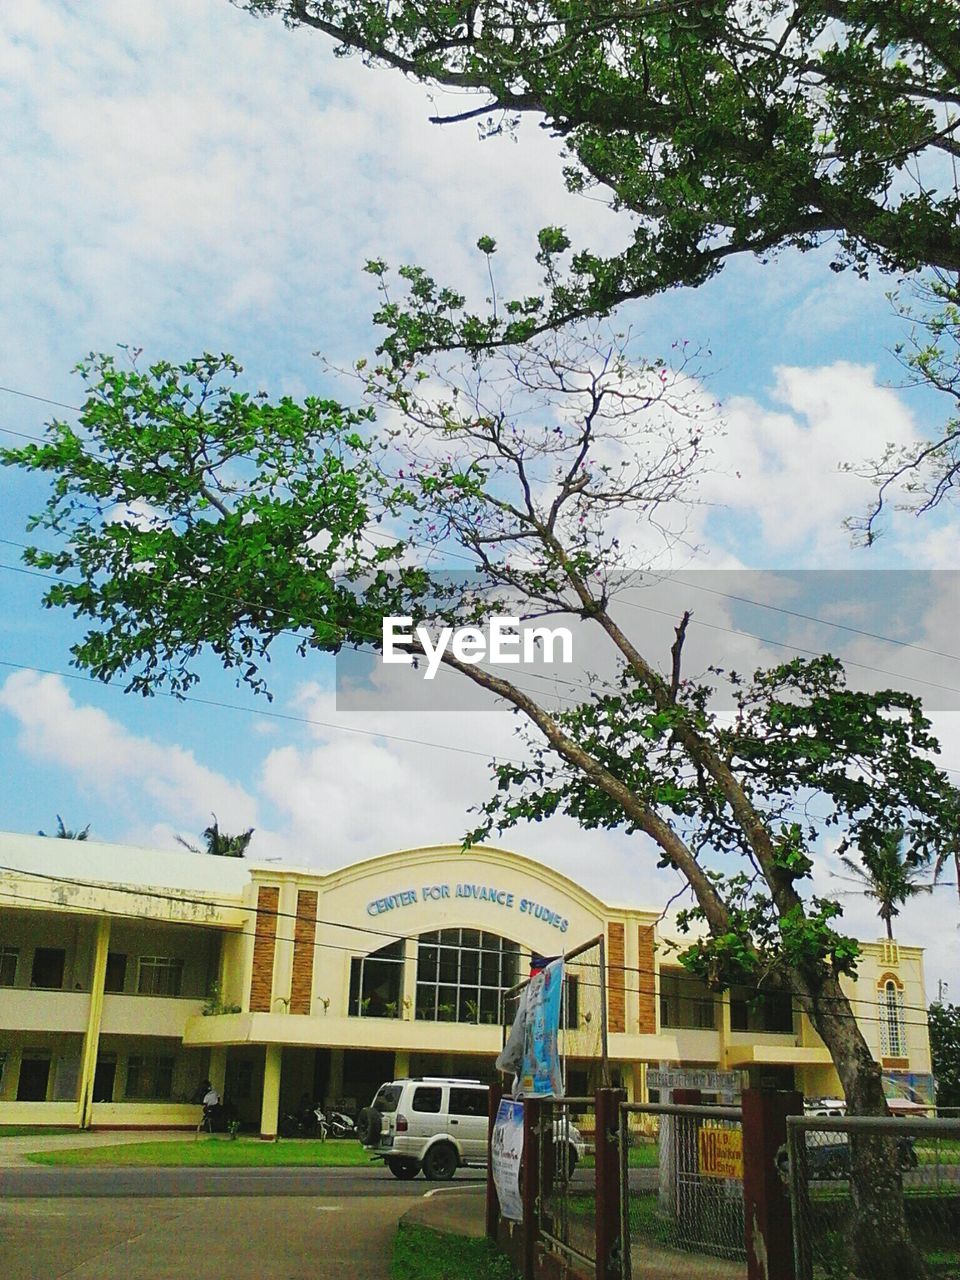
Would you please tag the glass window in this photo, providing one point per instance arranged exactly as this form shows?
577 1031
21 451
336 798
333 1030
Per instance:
892 1037
116 974
468 1102
761 1011
387 1098
461 974
376 981
8 966
159 976
686 1003
48 964
149 1077
427 1098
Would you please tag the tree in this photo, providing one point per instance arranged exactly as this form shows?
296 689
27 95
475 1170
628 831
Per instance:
219 844
718 129
64 833
539 464
887 875
945 1051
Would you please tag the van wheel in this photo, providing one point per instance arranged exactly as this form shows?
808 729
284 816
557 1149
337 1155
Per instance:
403 1168
440 1163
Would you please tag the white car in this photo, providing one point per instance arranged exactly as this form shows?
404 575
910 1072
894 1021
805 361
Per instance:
439 1124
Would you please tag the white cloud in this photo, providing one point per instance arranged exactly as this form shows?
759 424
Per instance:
113 763
781 468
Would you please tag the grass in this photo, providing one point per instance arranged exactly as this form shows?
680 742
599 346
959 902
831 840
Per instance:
213 1152
644 1156
422 1254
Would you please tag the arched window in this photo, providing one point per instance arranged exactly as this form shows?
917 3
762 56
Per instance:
893 1042
461 974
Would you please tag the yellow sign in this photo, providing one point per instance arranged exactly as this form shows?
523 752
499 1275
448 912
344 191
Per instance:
720 1152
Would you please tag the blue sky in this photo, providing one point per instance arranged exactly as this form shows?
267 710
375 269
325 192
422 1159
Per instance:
182 178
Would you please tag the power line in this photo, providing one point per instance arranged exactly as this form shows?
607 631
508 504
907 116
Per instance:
273 715
275 913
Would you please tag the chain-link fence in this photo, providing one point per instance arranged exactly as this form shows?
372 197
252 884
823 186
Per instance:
828 1162
682 1167
568 1188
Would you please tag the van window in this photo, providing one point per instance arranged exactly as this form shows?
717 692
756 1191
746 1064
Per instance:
468 1102
427 1098
386 1100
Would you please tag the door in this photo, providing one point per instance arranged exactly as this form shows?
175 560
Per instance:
34 1076
103 1079
468 1120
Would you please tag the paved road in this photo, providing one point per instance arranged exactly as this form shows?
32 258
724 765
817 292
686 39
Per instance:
278 1238
362 1182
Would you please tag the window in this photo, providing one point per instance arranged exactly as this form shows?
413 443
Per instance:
892 1038
159 976
427 1098
149 1077
461 974
8 966
116 974
48 964
570 1010
468 1102
375 982
685 1003
770 1011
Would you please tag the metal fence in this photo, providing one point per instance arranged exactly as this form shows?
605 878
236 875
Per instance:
567 1202
684 1190
822 1152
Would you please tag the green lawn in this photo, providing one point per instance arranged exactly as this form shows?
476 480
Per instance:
32 1130
214 1152
422 1254
644 1156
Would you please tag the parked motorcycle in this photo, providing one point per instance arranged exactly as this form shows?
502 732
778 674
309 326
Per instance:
309 1123
340 1125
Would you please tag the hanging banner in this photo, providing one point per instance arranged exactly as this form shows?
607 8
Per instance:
507 1149
540 1075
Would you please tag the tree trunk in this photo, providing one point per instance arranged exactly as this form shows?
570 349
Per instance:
880 1247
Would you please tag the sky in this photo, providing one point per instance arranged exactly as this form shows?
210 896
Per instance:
182 178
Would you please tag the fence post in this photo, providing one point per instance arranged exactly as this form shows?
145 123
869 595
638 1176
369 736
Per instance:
608 1185
493 1203
768 1231
530 1190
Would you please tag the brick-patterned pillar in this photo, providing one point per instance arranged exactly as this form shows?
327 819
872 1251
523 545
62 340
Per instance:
304 938
616 1001
648 982
264 947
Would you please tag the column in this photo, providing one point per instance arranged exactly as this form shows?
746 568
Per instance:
91 1039
401 1064
335 1082
270 1110
217 1071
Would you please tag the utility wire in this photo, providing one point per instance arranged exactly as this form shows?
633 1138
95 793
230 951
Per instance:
271 913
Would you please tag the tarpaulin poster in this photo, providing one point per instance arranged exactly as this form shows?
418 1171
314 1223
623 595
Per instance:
540 1076
507 1149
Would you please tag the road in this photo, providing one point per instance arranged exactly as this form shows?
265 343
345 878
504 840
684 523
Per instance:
161 1183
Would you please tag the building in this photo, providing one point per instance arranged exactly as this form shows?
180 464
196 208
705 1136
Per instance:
128 976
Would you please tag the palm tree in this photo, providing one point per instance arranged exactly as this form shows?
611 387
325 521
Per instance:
887 876
219 844
64 833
